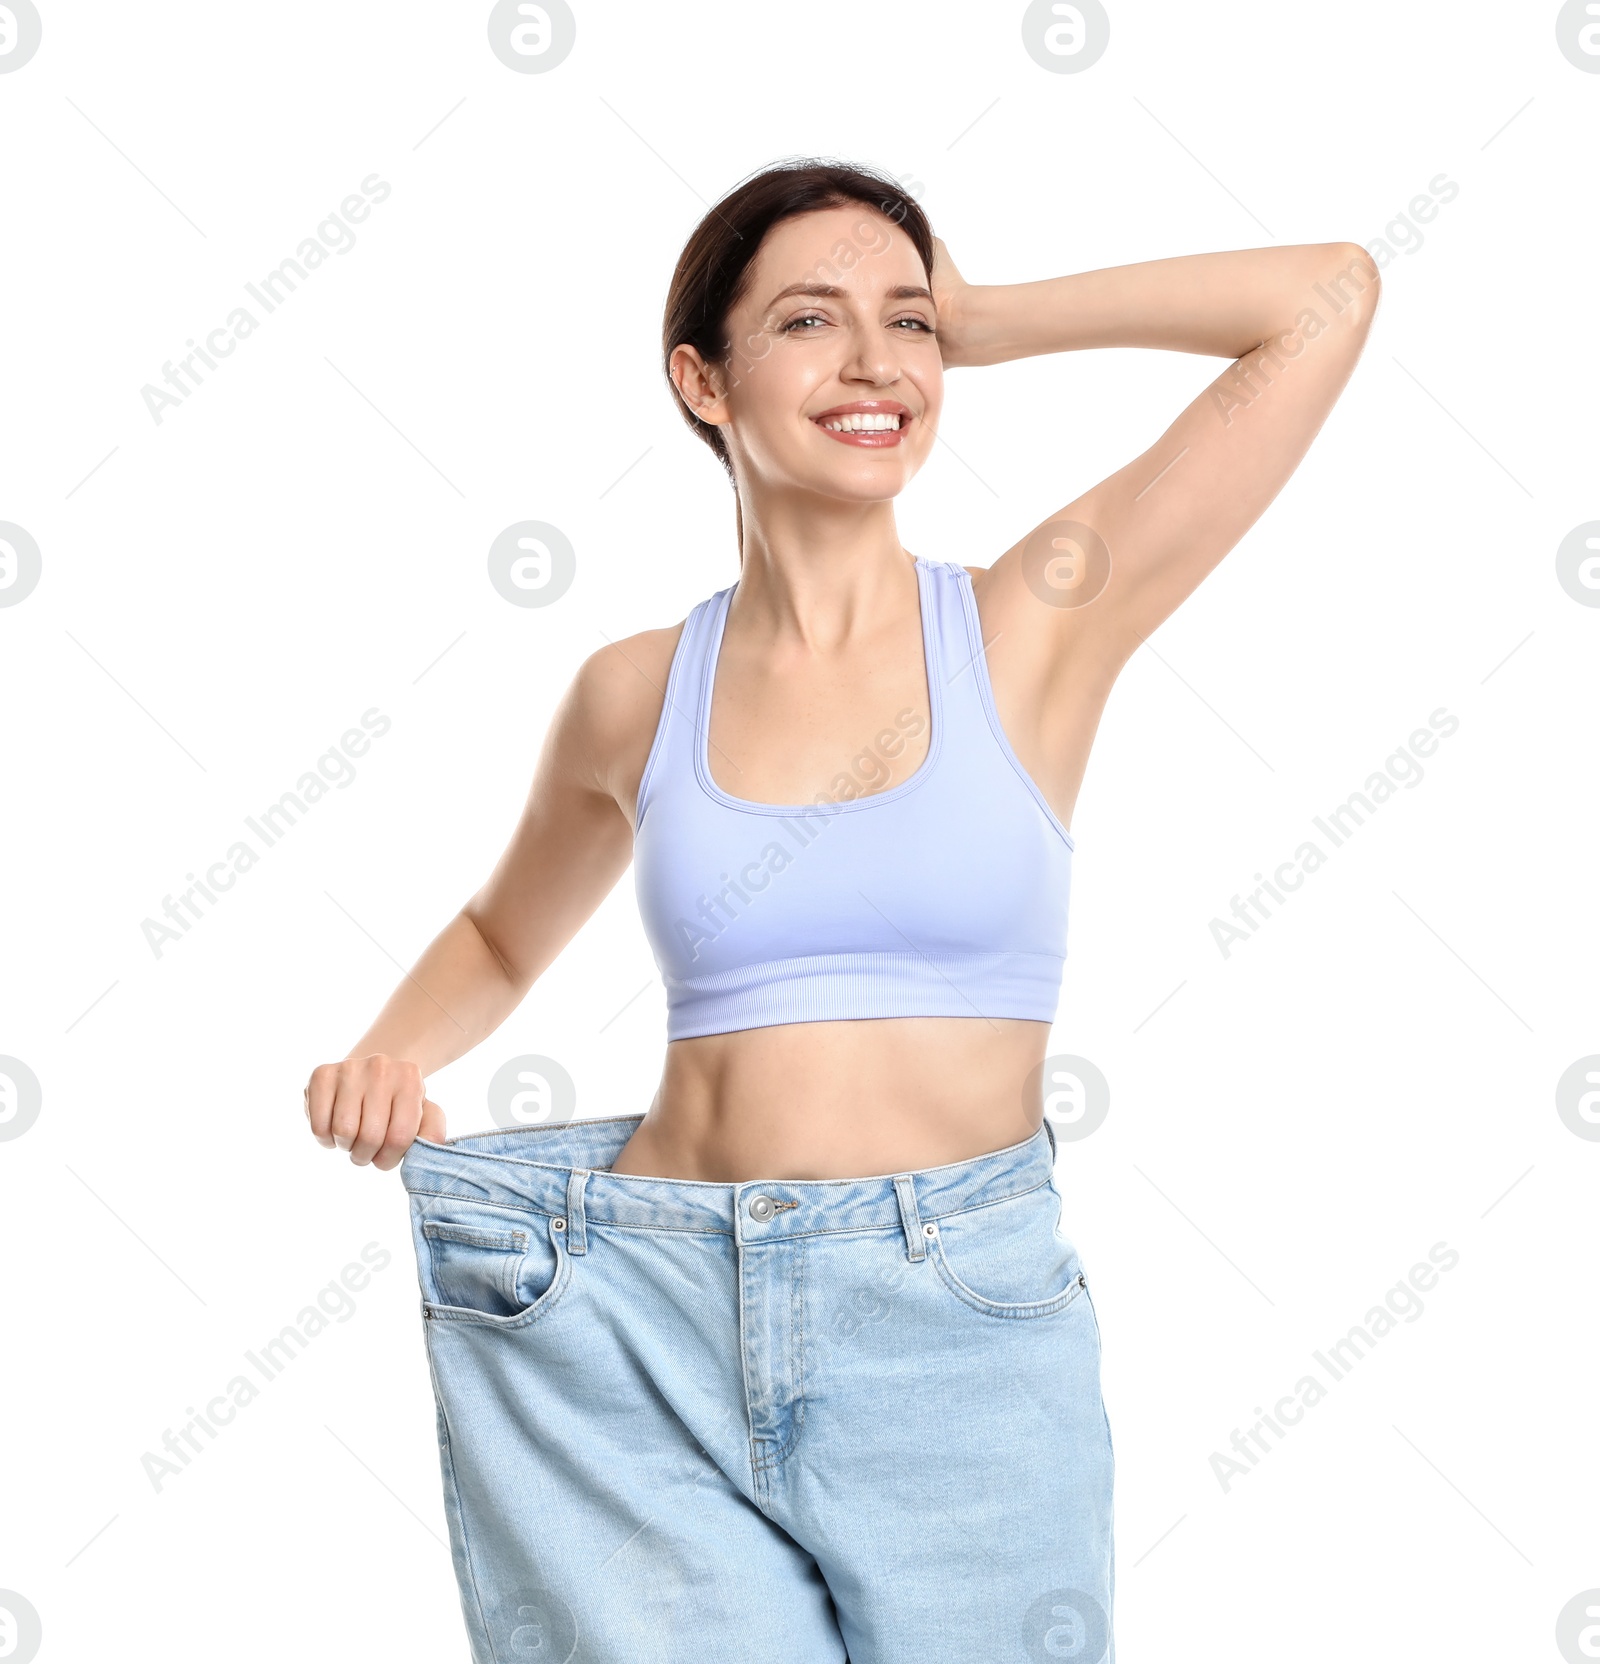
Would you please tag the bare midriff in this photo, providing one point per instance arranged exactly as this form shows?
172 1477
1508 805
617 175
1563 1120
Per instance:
840 1100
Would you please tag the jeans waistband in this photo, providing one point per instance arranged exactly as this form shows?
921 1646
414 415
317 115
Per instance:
562 1171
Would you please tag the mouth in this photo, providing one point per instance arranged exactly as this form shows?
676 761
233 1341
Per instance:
873 424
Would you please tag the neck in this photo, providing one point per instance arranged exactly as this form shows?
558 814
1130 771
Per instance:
819 571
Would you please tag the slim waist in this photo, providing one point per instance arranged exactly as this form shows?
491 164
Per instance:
560 1170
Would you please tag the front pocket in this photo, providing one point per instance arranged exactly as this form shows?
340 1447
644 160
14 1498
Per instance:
476 1269
1008 1259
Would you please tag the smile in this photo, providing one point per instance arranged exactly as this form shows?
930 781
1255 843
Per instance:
871 423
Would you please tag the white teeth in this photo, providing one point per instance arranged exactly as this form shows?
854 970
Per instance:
864 421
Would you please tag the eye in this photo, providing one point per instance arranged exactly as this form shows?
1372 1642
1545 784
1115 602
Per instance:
793 327
916 323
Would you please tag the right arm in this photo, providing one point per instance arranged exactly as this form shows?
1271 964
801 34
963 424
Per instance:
574 840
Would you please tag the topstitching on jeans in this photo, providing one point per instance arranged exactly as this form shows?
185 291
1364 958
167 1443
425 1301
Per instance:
484 1202
763 1458
448 1462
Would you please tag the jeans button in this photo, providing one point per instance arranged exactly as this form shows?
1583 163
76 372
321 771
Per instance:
762 1207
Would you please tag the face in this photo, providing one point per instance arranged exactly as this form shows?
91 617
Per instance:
833 382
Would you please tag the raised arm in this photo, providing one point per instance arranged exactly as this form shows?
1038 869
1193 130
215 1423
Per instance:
573 841
1076 596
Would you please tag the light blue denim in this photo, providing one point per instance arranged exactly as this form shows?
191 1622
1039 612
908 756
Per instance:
805 1422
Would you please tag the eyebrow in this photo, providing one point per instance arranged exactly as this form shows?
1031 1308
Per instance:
903 291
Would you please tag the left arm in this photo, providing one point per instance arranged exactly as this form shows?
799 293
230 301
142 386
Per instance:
1073 609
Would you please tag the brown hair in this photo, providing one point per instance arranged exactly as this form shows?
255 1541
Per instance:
715 264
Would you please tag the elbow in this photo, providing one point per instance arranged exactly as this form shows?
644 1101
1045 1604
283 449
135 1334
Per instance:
1350 284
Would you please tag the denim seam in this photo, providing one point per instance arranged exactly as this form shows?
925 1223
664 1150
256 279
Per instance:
797 1333
461 1517
818 1185
513 1253
511 1132
701 1230
482 1202
798 1313
992 1202
446 1230
1111 1450
1014 1309
540 1309
796 1304
757 1466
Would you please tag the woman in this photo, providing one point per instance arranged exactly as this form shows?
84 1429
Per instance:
800 1364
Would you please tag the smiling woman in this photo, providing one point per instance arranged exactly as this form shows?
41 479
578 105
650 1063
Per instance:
667 1346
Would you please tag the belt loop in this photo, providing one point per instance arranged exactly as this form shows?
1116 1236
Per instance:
1052 1132
577 1232
906 1192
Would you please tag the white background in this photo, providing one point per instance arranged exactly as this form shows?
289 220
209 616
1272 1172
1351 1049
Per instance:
225 592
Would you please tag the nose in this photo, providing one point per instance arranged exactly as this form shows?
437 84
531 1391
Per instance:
875 370
874 359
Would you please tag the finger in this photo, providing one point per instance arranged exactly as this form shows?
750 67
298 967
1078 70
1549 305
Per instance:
344 1123
406 1124
319 1103
377 1111
398 1107
405 1112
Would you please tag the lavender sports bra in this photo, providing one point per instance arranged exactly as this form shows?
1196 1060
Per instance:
944 896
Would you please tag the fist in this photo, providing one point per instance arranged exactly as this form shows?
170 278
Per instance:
372 1107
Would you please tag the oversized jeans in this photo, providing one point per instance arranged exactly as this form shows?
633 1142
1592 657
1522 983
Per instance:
799 1421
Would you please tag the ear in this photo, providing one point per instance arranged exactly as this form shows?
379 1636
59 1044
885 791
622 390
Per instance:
699 384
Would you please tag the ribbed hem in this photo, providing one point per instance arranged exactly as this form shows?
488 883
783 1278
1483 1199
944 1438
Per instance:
832 987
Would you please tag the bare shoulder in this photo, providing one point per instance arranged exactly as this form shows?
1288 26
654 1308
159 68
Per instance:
611 710
625 681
